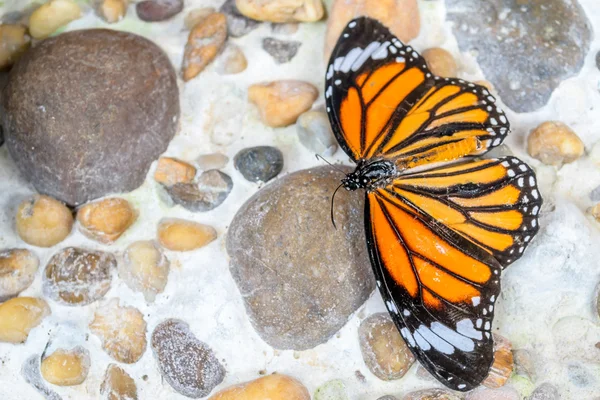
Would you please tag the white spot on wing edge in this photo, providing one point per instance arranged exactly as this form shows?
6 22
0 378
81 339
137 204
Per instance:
476 301
408 337
465 327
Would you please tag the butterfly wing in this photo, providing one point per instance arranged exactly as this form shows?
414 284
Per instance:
383 101
431 239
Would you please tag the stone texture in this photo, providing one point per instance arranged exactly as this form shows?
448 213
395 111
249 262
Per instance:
69 104
299 277
206 193
158 10
237 24
546 391
432 394
282 51
526 49
259 164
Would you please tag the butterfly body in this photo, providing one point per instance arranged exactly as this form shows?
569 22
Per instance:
440 223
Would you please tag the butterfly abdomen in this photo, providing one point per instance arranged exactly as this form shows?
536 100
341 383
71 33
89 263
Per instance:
441 153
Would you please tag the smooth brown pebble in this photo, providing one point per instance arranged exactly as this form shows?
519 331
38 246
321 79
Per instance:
280 103
19 316
170 171
282 10
144 269
118 385
440 62
111 10
232 60
52 15
181 235
273 387
205 41
384 351
158 10
106 220
14 41
17 271
554 143
122 331
66 367
503 365
76 276
197 15
43 221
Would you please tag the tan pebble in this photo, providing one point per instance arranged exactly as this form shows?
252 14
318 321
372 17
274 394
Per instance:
280 103
232 61
51 16
170 171
66 367
282 10
118 385
181 235
122 331
384 351
106 220
554 143
43 221
400 16
273 387
145 269
595 211
432 394
111 10
14 41
212 161
17 271
440 62
197 15
503 365
204 43
19 316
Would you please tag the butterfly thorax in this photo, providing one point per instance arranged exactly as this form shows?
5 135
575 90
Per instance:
370 175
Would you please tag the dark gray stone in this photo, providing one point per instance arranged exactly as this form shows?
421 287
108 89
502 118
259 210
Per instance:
158 10
259 164
299 277
237 24
526 49
87 112
282 51
208 192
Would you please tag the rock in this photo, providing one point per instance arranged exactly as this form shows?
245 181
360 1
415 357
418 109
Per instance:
31 373
387 398
52 15
432 394
66 367
60 142
19 316
43 221
17 271
122 331
554 143
440 62
505 393
328 269
158 10
272 387
187 364
206 162
259 164
503 365
282 51
170 171
542 57
285 29
118 385
14 41
384 351
598 60
282 10
314 132
332 390
546 391
232 60
111 10
205 41
197 15
145 269
207 193
524 364
281 102
595 211
181 235
237 24
400 16
106 220
75 276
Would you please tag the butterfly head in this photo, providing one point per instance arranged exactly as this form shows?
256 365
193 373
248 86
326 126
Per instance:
370 175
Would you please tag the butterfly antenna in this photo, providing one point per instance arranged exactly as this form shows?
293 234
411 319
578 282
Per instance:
320 157
332 200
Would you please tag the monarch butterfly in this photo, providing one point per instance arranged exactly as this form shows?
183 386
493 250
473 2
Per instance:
440 224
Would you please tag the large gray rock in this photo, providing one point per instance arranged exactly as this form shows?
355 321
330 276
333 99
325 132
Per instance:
525 48
88 111
299 277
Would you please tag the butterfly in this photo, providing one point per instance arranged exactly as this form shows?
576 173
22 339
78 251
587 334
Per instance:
440 223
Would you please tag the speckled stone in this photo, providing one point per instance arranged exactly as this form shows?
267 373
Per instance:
525 48
208 192
237 24
282 51
546 391
259 164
